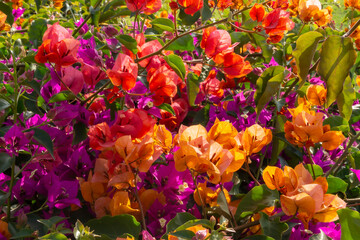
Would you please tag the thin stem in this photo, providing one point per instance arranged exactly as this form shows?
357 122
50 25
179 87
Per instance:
96 93
140 205
290 88
257 222
201 200
86 19
352 29
136 15
249 172
247 30
42 207
12 181
311 162
344 155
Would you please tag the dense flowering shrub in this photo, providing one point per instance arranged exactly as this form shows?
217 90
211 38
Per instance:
188 119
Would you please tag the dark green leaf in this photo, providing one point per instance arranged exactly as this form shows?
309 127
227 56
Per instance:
95 15
49 223
304 53
5 161
272 228
177 64
54 236
179 220
355 116
192 88
62 96
337 123
44 139
80 133
115 226
257 199
4 104
267 85
346 99
23 233
350 224
185 43
278 144
337 56
205 12
188 19
336 185
239 37
221 200
162 24
129 42
8 11
4 68
111 14
258 237
167 107
36 31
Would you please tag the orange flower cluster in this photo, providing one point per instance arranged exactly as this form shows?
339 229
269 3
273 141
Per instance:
3 24
352 4
310 10
208 196
316 94
307 128
217 45
130 146
220 152
58 4
301 195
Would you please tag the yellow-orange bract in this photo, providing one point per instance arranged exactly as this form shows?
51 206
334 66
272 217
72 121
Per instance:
303 196
208 196
316 94
307 128
254 138
199 231
352 4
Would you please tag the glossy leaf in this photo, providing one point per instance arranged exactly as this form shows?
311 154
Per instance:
4 68
162 24
80 133
185 43
62 96
336 185
337 56
54 236
177 64
129 42
36 31
4 104
272 228
257 199
337 123
346 99
115 226
267 85
317 169
183 234
187 19
44 139
167 107
350 223
192 87
304 53
5 161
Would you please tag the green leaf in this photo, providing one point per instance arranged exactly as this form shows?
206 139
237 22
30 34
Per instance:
205 12
337 56
167 107
257 199
267 85
183 234
350 224
187 19
23 233
4 68
162 24
129 42
36 31
177 64
95 15
3 197
62 96
179 220
216 236
304 53
272 228
4 104
278 144
319 236
8 11
346 99
44 139
336 184
80 133
54 236
203 222
337 123
355 116
115 226
221 200
239 37
5 161
49 223
192 88
185 43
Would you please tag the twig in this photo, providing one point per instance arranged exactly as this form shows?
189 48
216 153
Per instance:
257 222
352 29
86 19
96 93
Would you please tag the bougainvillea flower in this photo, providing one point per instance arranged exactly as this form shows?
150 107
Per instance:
134 122
257 12
235 66
308 8
323 16
352 4
332 140
124 72
181 108
102 206
3 17
91 190
163 138
73 79
216 42
221 4
4 230
276 23
92 74
316 94
146 6
149 48
121 204
99 135
191 6
163 83
199 230
208 195
212 86
254 138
